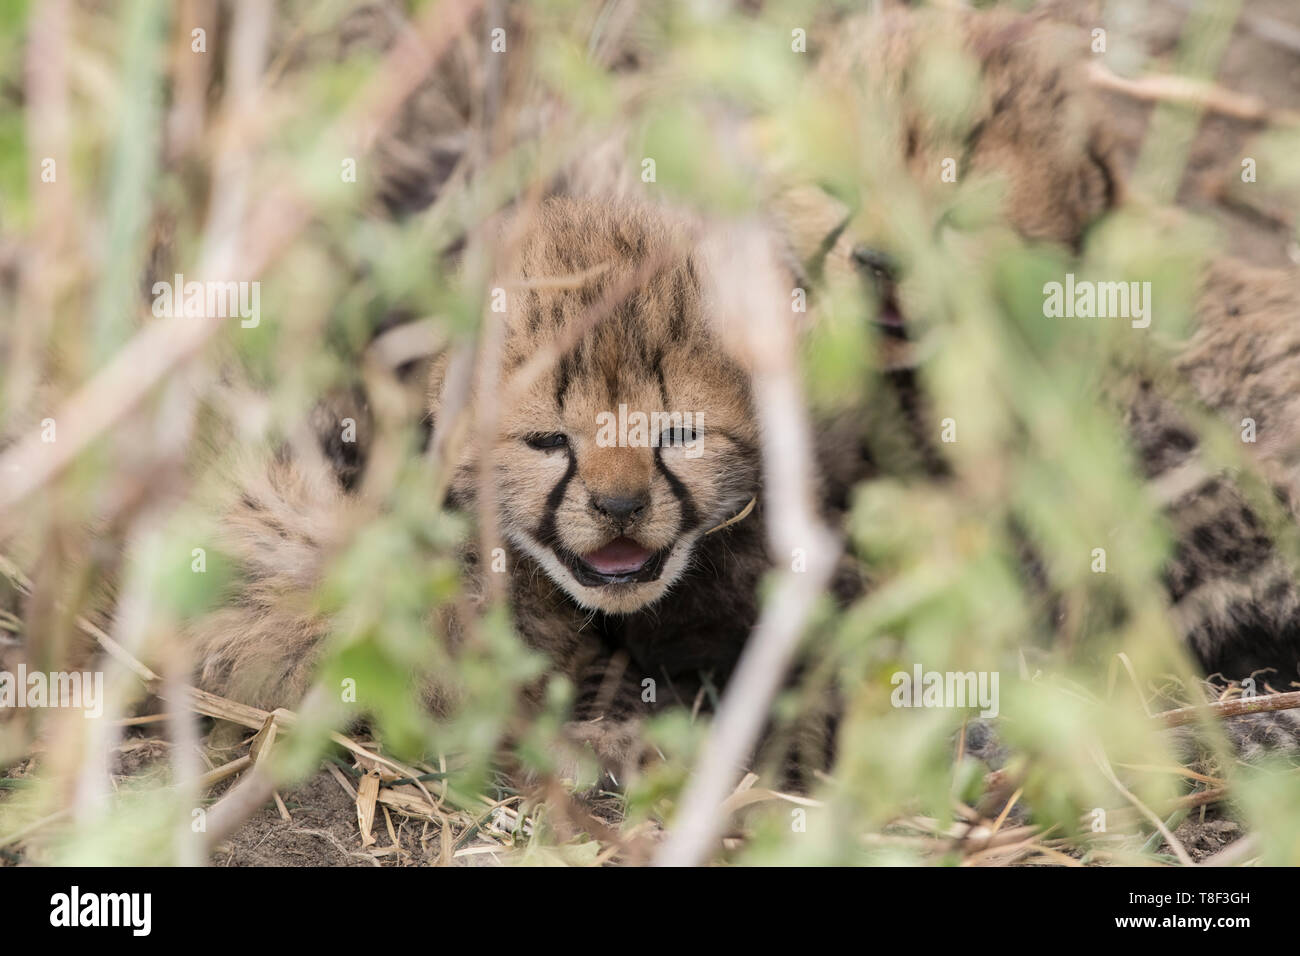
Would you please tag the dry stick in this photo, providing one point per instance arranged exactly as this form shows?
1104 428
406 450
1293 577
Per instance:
1231 708
749 296
242 801
975 838
163 345
979 838
1190 92
144 719
1200 798
342 781
1177 770
1123 814
1006 810
408 342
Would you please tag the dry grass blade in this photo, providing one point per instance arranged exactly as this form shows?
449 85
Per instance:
235 766
745 798
367 795
337 774
1104 765
1006 810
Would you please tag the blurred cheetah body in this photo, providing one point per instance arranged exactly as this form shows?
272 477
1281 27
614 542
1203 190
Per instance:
1038 126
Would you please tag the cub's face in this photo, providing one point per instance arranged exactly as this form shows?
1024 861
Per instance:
624 431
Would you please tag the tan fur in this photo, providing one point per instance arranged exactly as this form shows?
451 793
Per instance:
285 524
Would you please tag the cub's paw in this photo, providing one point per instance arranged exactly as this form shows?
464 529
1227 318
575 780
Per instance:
600 754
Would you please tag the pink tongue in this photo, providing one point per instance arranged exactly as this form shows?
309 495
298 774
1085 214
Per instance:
889 315
620 556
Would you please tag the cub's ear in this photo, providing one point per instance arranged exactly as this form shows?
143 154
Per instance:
808 222
808 229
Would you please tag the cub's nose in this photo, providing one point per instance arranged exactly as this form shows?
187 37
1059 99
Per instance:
621 508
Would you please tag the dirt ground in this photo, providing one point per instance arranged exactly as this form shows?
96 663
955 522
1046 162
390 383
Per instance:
1262 60
323 831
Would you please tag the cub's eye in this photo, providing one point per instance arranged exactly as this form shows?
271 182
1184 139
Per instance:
547 441
677 436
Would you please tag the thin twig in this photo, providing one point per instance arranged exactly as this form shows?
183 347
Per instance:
1234 707
1104 765
1191 92
750 297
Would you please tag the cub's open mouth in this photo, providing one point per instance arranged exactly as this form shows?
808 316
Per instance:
890 317
621 561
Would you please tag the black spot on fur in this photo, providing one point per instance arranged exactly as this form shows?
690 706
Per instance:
563 377
546 532
689 513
